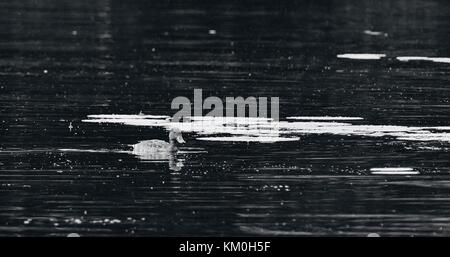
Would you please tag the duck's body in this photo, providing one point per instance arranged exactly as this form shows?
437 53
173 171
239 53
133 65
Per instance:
159 149
155 148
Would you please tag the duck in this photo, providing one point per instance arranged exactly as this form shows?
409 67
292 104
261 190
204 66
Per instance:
158 149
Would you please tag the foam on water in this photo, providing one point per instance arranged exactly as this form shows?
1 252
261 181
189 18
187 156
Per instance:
323 118
129 116
375 33
266 130
423 58
393 171
361 56
84 150
250 139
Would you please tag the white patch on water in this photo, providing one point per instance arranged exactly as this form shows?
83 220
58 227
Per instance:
440 59
393 171
423 58
264 231
250 139
412 58
400 58
361 56
375 33
267 130
329 118
84 150
127 116
431 148
439 128
229 119
134 121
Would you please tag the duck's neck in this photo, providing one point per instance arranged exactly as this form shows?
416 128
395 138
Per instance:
173 145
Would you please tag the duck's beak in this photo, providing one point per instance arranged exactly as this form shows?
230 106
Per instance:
180 139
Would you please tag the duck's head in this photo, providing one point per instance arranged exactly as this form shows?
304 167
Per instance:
176 136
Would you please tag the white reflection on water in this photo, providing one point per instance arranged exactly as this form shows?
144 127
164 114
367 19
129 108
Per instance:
361 56
266 130
375 33
393 171
423 58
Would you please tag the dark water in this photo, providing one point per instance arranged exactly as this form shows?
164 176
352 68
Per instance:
63 60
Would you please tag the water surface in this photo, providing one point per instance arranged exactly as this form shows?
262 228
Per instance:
61 61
